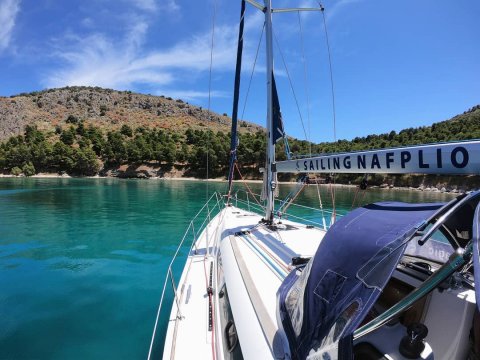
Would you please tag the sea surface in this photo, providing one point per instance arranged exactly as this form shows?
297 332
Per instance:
82 261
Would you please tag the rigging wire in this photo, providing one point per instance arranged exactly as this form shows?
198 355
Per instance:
290 82
282 210
331 75
362 186
355 197
208 153
332 193
308 114
333 100
320 202
210 85
305 80
245 104
248 188
253 71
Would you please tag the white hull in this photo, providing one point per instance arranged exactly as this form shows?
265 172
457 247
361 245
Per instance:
248 269
252 266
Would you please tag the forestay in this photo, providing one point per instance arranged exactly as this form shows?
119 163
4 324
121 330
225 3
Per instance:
446 158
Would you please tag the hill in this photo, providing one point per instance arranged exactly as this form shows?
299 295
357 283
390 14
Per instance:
107 109
88 131
465 126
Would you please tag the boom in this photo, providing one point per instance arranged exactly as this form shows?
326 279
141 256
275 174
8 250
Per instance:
446 158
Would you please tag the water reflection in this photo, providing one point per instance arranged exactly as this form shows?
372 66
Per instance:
81 260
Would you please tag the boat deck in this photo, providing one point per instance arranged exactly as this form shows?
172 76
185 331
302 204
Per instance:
187 335
254 261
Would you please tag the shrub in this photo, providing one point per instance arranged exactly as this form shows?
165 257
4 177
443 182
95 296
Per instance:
126 130
103 110
16 171
72 119
67 137
28 169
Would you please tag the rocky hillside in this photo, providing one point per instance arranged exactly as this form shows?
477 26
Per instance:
107 109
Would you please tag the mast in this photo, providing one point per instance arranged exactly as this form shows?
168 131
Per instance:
270 179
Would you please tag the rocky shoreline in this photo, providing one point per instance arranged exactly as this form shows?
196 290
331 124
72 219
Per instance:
149 174
442 189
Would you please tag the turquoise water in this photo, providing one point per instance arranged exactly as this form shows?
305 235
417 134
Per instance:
82 261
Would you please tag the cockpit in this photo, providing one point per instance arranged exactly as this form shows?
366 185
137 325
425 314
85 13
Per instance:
389 281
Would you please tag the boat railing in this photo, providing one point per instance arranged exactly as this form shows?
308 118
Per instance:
242 199
246 198
211 207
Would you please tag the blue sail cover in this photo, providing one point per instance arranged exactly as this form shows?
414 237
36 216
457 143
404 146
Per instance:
236 92
476 253
277 128
321 306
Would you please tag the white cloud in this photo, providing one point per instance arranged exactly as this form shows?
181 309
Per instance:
154 5
8 13
190 95
125 63
194 53
148 5
98 60
330 12
171 5
87 22
330 9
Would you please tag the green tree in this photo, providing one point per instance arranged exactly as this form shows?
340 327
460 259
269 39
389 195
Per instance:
95 136
62 157
85 162
28 169
72 119
143 147
170 153
41 155
16 171
133 152
126 130
17 155
115 149
2 157
84 143
32 135
68 136
81 128
183 154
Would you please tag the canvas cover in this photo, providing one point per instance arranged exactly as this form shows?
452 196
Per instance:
236 96
277 125
476 253
320 306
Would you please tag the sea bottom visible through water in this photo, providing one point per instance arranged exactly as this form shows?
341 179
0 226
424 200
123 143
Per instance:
83 261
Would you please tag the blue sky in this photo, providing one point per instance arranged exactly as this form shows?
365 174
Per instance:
395 64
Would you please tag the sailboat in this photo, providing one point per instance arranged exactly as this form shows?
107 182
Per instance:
389 280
